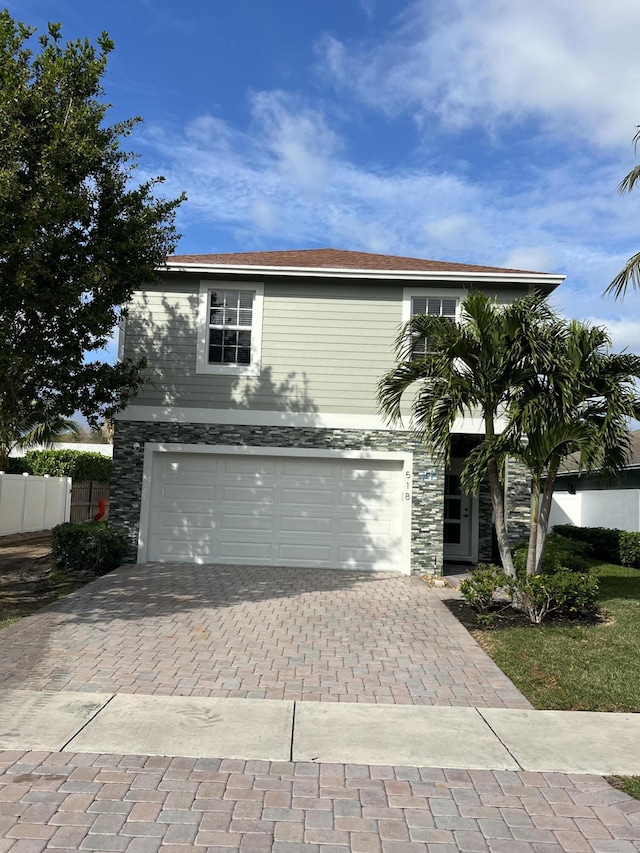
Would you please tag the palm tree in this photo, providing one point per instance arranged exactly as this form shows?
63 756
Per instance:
552 385
45 434
471 367
630 274
587 399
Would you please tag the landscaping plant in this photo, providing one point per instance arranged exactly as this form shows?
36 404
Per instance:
87 549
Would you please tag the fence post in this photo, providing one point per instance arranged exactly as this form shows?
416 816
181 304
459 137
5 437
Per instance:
67 500
24 501
44 503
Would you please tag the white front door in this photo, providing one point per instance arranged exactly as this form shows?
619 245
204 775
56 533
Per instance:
460 533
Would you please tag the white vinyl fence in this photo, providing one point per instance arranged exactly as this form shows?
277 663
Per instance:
29 503
618 508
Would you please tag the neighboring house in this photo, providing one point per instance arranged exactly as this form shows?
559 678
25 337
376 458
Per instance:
587 500
257 439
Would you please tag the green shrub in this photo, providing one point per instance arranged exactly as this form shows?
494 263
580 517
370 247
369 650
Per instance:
569 593
560 552
481 590
78 464
630 549
86 550
605 541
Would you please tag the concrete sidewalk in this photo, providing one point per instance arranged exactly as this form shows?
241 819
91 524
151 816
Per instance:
453 737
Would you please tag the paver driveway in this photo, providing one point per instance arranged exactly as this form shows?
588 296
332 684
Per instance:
141 804
255 633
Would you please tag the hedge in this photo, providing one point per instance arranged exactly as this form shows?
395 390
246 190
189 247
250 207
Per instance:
620 547
88 549
77 464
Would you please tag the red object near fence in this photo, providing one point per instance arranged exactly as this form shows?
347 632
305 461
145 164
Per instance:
102 508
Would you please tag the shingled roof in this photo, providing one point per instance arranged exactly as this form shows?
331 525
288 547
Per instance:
570 465
334 259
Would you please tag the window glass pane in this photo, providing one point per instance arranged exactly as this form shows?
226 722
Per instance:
452 508
449 307
419 305
433 307
230 320
451 534
452 485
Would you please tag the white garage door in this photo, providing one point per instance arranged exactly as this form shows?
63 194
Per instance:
276 510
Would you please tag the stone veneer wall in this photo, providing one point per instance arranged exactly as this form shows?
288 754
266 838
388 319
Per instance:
485 524
518 503
428 474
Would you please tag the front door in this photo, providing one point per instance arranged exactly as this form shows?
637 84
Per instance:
460 517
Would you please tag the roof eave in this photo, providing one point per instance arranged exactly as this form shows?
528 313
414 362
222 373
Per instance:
541 279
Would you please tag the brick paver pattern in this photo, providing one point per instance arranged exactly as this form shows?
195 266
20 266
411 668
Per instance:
142 804
179 629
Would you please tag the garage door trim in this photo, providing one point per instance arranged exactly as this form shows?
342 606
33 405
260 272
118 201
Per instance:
152 448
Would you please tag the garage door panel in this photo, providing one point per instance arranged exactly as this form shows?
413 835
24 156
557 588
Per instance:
290 467
276 510
249 465
244 495
317 497
354 528
230 521
308 552
305 524
189 463
177 520
174 549
242 551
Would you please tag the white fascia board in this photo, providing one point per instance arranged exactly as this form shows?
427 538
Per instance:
524 278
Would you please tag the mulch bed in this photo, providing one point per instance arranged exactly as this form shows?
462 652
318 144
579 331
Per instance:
509 618
27 581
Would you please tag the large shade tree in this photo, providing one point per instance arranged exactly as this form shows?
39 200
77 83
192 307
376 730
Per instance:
545 388
77 233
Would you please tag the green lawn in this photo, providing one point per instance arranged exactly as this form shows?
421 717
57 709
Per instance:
587 668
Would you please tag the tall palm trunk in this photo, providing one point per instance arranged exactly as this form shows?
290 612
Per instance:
499 517
540 511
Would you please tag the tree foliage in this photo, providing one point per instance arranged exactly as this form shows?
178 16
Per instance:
545 388
77 233
630 273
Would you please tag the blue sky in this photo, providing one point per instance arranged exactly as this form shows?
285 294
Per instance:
490 132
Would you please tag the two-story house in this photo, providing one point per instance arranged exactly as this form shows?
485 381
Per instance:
257 439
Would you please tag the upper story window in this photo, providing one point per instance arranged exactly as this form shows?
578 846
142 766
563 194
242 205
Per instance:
230 328
435 303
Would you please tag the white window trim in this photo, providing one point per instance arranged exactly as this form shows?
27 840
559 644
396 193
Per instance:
202 353
408 293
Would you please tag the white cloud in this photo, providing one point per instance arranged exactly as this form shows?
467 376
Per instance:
287 178
625 333
574 65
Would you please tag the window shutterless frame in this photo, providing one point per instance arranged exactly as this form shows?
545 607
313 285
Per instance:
230 328
435 302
